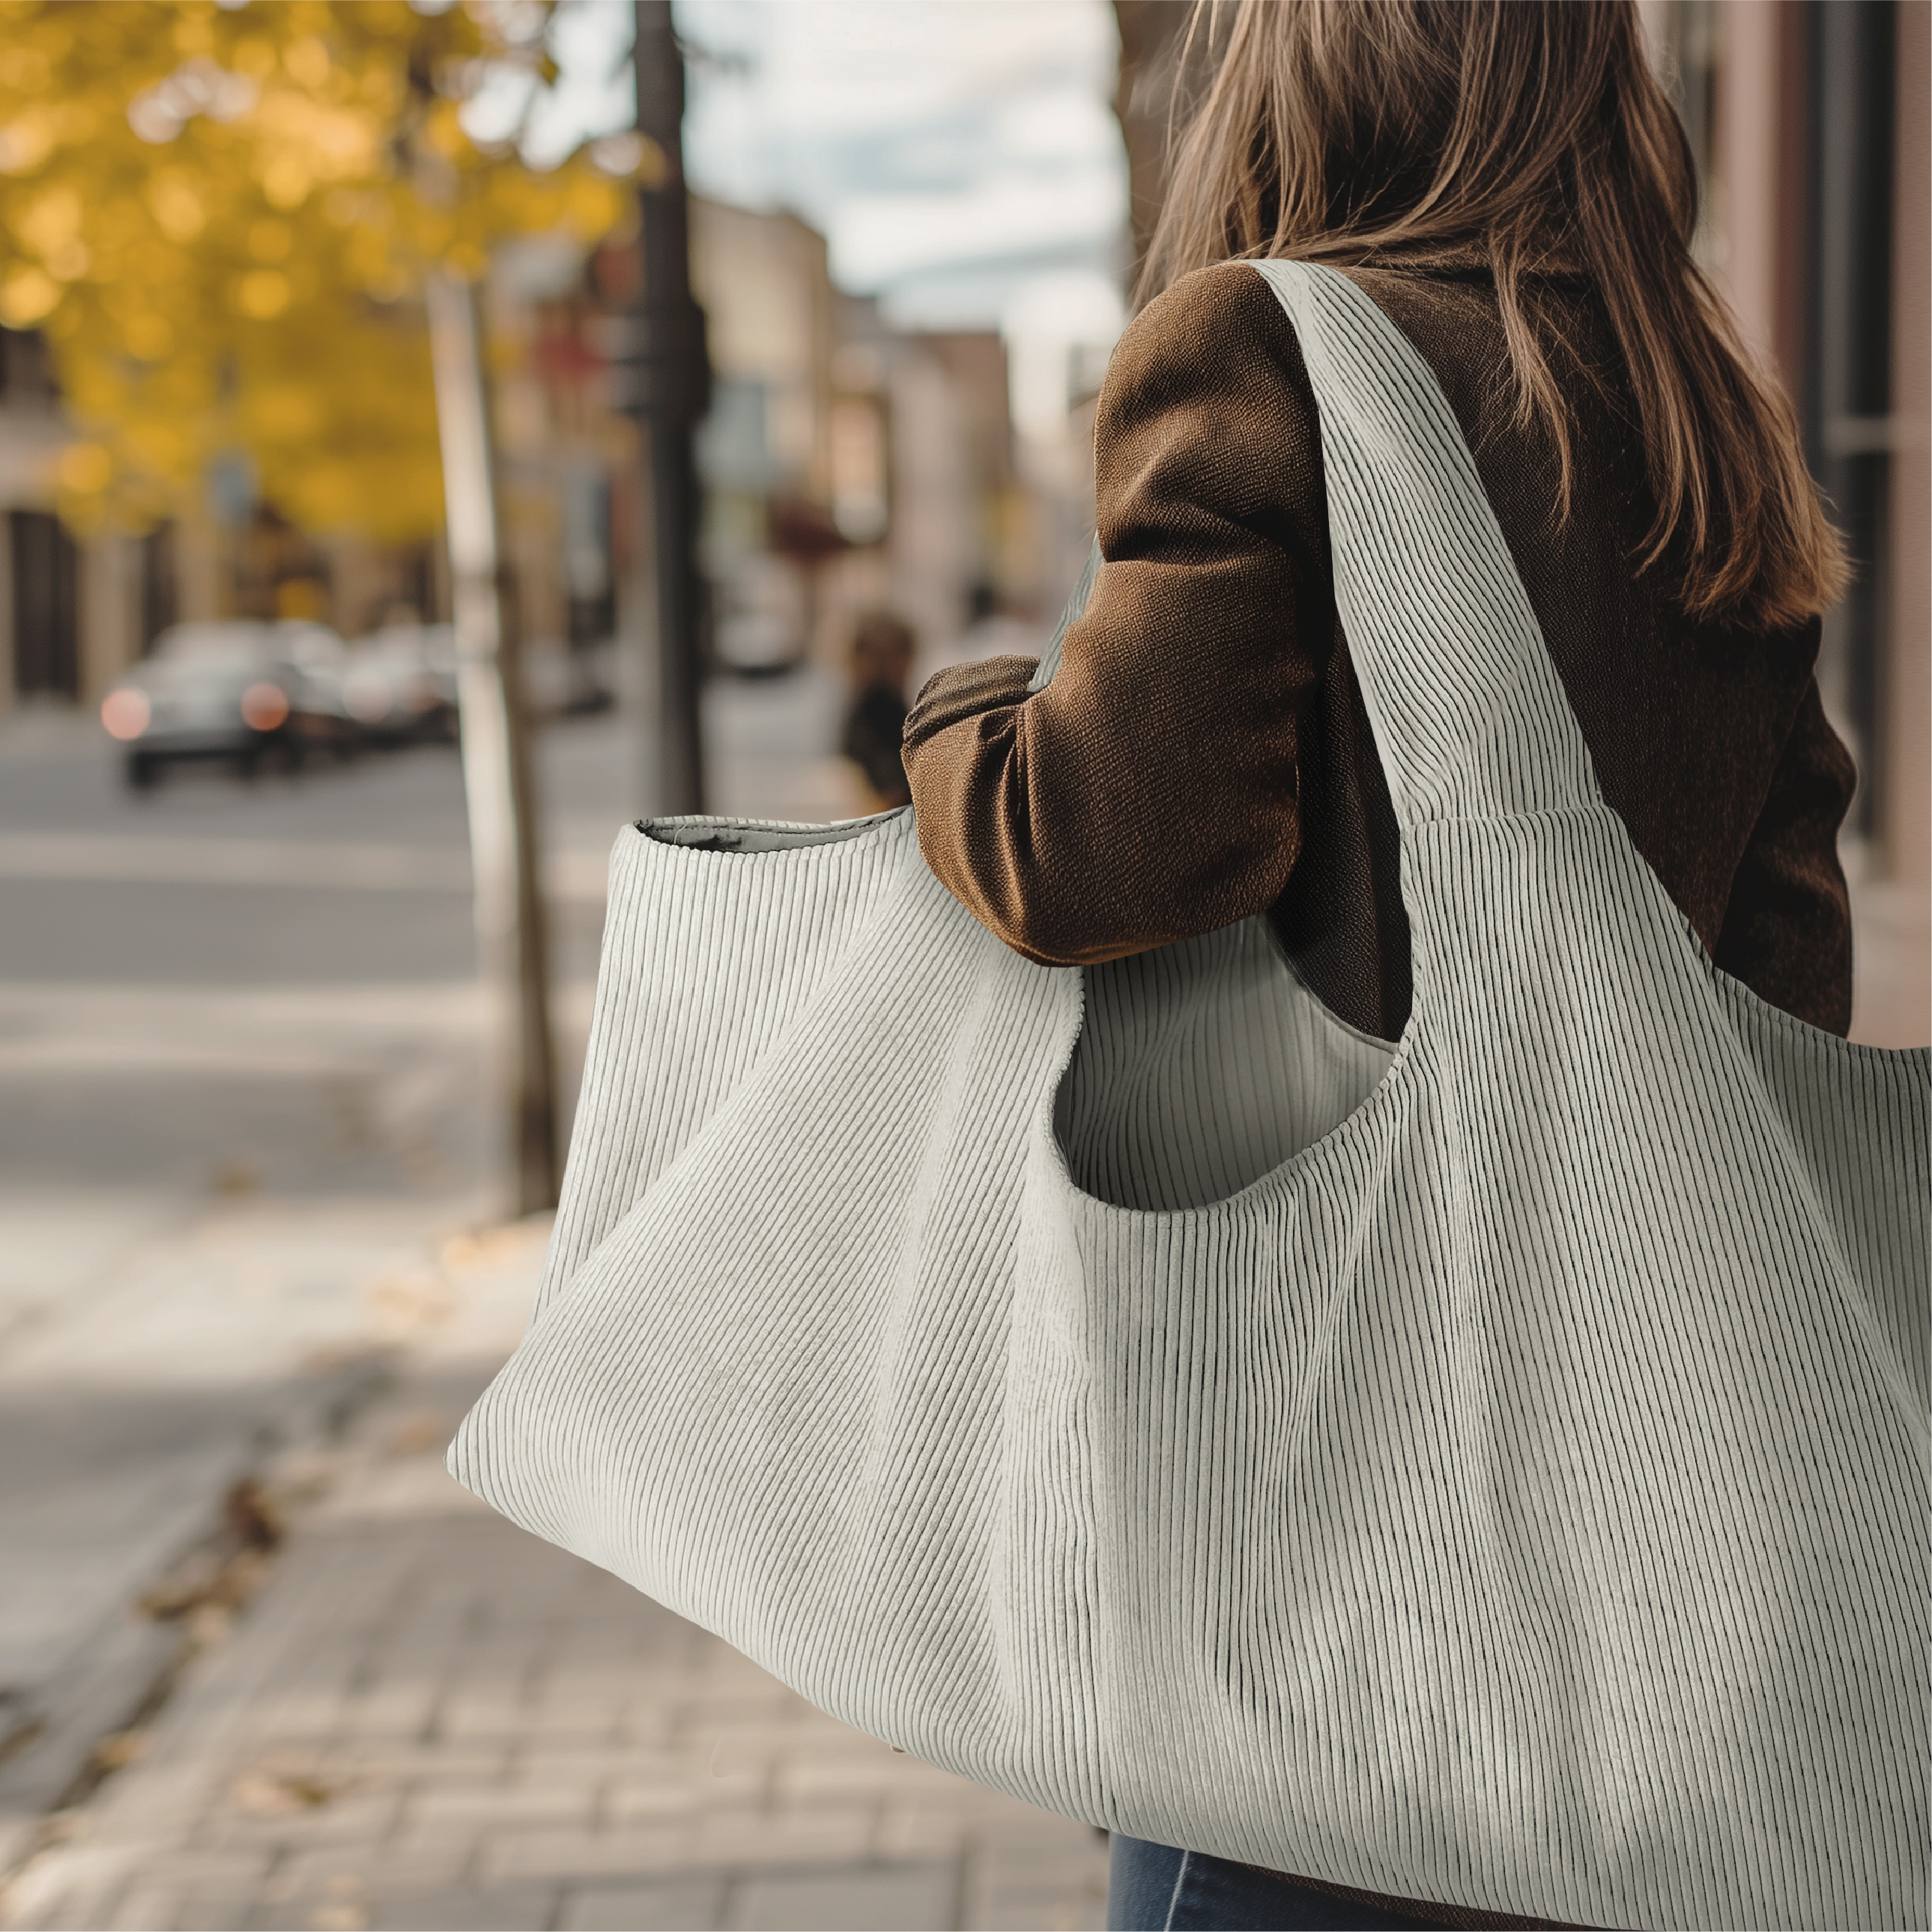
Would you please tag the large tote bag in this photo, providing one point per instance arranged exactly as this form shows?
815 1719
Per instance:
1490 1469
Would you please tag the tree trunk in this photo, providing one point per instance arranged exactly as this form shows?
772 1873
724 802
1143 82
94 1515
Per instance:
1162 71
510 940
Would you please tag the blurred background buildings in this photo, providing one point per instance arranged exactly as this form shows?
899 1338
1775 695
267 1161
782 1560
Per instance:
913 236
911 246
843 462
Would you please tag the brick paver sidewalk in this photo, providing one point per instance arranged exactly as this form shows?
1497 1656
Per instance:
427 1718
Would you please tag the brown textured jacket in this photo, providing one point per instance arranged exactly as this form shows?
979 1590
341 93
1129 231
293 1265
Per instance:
1202 754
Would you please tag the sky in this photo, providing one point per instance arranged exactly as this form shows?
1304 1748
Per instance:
959 156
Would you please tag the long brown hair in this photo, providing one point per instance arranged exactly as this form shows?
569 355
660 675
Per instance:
1526 135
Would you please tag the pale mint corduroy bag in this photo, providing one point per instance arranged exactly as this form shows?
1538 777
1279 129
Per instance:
1490 1469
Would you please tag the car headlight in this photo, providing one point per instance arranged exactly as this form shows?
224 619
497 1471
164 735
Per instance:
264 707
126 712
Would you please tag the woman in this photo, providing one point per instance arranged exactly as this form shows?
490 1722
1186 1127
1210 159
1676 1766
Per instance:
1506 180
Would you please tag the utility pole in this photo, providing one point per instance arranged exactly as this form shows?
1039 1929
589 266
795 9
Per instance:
513 954
661 376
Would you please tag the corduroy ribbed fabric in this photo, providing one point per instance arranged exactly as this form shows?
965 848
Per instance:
1488 1470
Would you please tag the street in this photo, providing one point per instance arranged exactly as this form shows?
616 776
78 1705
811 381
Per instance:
223 1087
243 1161
733 367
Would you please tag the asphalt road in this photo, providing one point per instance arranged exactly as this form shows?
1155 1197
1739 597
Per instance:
63 809
242 1118
234 986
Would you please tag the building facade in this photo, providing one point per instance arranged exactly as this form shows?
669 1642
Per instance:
1809 119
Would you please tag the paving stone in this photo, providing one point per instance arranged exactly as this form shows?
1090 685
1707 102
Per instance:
920 1899
402 1760
68 1886
639 1802
144 1907
332 1875
915 1831
484 1707
806 1835
355 1818
1030 1895
396 1709
201 1908
538 1762
641 1852
521 1803
373 1869
507 1908
195 1865
1017 1838
465 1909
1039 1911
678 1905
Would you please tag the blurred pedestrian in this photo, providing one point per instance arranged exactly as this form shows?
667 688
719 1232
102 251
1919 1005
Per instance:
1506 181
883 645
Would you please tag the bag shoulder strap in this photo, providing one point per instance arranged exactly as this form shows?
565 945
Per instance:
1049 658
1469 713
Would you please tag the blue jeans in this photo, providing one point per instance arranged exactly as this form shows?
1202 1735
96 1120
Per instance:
1160 1888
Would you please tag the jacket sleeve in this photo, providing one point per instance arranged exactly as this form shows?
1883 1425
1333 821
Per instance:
1787 929
1149 793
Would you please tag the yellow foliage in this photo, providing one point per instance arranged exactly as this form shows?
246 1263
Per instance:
27 296
262 295
85 465
176 200
220 218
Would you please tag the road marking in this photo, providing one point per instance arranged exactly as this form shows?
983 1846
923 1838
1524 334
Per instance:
111 858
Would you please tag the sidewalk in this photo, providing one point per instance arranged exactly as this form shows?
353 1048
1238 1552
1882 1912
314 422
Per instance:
233 1257
426 1718
155 1350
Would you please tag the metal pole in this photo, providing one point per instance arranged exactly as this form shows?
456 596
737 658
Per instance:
512 954
668 395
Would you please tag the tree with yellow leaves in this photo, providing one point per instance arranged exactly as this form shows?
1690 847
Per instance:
220 217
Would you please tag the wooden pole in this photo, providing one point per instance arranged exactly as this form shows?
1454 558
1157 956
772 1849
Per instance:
512 954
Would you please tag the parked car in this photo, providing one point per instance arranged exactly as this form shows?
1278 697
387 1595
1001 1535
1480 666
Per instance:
399 684
237 691
319 654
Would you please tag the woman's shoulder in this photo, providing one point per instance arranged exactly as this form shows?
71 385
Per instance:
1218 330
1207 404
1226 320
